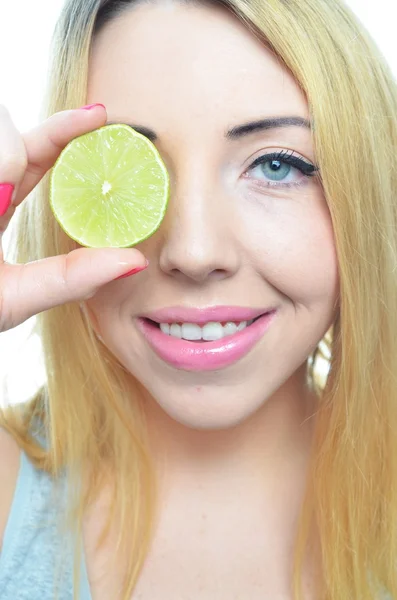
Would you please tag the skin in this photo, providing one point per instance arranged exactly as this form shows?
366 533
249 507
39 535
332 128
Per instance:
240 436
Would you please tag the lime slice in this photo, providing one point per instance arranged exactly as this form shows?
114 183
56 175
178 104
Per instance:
109 187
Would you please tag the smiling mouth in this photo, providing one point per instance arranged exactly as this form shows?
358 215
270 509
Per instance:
215 345
211 331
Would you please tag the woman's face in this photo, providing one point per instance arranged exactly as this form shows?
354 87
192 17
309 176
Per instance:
246 236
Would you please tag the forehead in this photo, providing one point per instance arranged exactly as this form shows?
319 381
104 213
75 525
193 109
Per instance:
176 57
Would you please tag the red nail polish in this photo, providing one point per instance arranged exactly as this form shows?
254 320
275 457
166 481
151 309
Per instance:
137 270
6 191
90 106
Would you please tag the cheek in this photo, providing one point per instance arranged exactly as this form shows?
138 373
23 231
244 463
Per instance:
292 245
105 308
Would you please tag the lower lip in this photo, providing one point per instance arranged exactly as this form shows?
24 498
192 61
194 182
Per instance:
205 356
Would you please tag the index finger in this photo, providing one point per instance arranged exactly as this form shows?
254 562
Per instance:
45 142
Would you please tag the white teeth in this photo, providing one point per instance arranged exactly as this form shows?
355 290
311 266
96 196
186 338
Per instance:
230 328
176 330
191 331
210 332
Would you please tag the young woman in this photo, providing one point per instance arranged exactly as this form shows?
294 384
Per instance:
185 445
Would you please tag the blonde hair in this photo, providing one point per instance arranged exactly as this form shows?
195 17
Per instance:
93 418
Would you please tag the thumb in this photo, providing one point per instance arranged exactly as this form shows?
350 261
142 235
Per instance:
37 286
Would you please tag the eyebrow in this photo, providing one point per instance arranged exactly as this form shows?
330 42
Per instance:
266 124
149 133
240 130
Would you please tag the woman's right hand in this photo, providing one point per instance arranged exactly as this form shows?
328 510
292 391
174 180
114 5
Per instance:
26 290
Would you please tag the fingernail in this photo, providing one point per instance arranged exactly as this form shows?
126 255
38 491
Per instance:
90 106
6 190
137 270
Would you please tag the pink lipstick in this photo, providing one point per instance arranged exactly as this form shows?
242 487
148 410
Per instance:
202 355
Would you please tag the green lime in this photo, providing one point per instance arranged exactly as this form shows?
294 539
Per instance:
109 187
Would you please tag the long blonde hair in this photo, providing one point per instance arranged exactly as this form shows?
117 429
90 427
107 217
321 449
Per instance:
92 417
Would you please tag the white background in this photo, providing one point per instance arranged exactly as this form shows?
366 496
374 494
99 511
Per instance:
24 43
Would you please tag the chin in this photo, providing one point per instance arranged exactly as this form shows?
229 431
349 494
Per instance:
206 407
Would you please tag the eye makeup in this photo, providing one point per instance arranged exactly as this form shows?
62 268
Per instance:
277 161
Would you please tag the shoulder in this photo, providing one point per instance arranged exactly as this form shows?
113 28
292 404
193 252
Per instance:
10 454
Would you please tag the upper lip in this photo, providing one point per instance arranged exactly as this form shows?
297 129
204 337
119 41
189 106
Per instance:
200 316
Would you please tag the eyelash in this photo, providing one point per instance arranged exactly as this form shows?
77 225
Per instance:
286 157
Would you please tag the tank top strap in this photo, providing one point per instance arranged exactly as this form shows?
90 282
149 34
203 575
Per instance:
32 542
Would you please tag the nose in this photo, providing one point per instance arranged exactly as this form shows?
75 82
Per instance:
198 240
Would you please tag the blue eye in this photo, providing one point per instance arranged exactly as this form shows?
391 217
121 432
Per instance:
281 169
276 169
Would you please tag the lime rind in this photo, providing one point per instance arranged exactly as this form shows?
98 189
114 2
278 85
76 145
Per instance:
137 202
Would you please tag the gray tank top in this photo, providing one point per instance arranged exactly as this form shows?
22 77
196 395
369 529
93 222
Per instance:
32 544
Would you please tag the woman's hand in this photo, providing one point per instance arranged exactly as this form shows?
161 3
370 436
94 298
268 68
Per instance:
26 290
